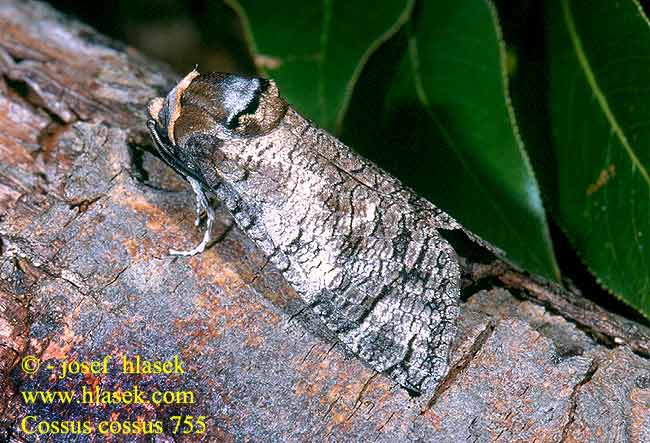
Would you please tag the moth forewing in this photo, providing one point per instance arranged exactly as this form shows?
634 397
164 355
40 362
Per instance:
362 250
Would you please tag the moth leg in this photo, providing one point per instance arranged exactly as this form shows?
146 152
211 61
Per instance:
201 201
202 204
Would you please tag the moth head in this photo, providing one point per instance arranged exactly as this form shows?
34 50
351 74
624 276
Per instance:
225 106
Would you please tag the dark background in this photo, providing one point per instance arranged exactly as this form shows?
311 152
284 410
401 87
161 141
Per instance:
181 33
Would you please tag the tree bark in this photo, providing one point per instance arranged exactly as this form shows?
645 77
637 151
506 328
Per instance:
84 274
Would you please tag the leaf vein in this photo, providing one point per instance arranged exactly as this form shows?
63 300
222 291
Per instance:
598 93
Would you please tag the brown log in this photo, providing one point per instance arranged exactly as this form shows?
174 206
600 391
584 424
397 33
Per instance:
84 273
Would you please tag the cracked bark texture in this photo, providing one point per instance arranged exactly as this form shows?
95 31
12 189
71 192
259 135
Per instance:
84 272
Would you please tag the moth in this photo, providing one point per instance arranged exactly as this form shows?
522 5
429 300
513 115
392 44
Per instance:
362 250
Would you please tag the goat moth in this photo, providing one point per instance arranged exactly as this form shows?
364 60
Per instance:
362 250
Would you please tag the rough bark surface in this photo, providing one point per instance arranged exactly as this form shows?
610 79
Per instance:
84 273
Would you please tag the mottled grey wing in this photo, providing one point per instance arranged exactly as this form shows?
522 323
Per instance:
361 249
397 301
365 253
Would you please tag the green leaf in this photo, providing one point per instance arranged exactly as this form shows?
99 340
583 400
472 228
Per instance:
432 107
599 54
316 50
